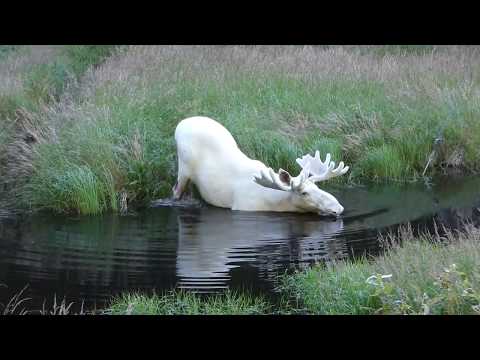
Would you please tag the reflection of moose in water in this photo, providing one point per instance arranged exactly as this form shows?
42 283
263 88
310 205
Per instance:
212 241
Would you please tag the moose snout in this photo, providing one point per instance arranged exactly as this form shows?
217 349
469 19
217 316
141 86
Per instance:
336 212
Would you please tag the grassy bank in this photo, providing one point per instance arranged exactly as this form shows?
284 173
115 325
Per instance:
426 275
33 80
110 136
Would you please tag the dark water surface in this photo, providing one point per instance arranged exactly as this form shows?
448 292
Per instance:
209 249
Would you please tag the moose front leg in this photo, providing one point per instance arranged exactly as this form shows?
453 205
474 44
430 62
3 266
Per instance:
180 187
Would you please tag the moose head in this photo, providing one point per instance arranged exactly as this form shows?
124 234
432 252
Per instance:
305 194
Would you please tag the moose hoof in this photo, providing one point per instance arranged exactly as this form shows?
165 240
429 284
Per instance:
176 193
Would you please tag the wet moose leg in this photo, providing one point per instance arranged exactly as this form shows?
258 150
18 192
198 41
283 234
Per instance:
180 186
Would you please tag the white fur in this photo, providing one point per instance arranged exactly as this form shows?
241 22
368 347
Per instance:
208 156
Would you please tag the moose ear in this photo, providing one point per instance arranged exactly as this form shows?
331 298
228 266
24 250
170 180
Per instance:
284 177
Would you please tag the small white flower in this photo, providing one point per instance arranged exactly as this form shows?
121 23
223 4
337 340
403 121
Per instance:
467 291
452 267
129 309
372 280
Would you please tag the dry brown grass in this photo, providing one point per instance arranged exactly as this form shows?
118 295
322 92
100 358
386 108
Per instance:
31 129
12 71
16 306
13 307
149 63
15 65
132 73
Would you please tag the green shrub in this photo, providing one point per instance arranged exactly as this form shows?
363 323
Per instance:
81 57
6 50
45 82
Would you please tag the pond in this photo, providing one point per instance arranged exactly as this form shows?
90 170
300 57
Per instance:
207 249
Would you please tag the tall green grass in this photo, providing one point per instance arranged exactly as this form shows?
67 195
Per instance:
77 188
186 303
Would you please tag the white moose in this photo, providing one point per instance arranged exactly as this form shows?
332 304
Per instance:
209 157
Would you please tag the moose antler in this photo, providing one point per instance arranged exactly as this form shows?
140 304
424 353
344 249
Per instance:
319 170
269 179
313 169
281 181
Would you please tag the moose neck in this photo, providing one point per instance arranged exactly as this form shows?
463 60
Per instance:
280 200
